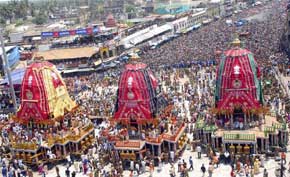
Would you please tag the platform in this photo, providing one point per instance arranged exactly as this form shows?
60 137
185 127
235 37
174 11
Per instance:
259 132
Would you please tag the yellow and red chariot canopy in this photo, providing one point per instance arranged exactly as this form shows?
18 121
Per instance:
44 97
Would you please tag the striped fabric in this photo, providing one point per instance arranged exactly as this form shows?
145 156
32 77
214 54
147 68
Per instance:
257 81
219 79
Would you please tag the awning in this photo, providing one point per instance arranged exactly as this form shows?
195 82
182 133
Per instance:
151 34
155 31
196 26
98 62
17 77
36 38
78 70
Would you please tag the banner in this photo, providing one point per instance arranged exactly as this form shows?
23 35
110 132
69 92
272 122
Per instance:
63 33
57 34
46 34
81 31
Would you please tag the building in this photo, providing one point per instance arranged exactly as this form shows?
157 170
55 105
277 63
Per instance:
191 21
228 8
213 10
148 6
115 7
79 57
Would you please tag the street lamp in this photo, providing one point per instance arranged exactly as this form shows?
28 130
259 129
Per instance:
7 72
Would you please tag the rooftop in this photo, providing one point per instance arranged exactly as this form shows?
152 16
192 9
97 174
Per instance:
71 53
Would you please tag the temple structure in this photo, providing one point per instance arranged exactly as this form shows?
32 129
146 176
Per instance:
241 124
48 121
144 129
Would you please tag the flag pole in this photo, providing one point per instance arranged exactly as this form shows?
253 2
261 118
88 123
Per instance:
7 71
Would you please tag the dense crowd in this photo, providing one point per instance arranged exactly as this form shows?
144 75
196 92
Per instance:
265 32
189 90
89 92
5 101
189 87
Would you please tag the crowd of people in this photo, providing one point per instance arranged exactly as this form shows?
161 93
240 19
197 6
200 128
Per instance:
189 87
6 103
264 40
89 92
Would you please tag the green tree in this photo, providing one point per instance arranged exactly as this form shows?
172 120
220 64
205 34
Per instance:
2 21
100 8
6 11
130 8
19 23
40 19
31 8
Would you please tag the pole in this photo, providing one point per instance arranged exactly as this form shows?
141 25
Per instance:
7 71
281 172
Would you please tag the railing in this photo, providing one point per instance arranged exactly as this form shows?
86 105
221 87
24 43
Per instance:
52 140
129 144
173 137
25 146
199 124
130 156
273 128
158 139
247 137
210 128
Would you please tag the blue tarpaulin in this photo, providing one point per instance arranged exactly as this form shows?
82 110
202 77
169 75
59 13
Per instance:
175 9
17 77
13 55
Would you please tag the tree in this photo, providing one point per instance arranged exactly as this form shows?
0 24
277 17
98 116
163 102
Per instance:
2 21
40 19
130 8
32 11
100 8
6 12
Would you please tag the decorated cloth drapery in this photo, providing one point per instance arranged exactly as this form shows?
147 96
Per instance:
238 82
136 94
44 96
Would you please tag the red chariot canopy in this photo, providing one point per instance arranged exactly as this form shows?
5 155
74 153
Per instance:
136 93
238 81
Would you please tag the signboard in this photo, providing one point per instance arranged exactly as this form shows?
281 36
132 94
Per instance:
63 33
57 34
46 34
81 32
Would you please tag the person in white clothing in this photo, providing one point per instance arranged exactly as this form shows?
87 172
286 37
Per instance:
137 167
132 165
